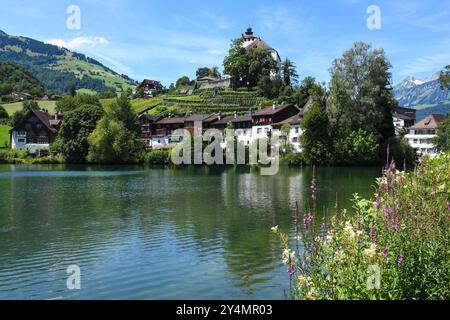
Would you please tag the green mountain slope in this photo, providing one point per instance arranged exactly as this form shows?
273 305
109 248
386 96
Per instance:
14 78
58 68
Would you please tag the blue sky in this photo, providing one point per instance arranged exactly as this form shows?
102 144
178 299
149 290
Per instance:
164 40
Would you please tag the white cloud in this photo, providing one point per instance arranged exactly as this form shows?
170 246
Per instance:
79 42
426 64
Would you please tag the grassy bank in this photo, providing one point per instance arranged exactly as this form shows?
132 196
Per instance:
393 246
9 156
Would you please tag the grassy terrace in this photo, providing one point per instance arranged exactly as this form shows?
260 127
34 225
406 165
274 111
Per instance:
11 108
4 136
204 102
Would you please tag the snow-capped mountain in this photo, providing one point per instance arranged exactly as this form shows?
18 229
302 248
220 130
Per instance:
420 93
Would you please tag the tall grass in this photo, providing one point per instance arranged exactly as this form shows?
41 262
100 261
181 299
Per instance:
394 246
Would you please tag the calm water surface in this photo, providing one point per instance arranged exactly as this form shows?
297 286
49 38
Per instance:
140 233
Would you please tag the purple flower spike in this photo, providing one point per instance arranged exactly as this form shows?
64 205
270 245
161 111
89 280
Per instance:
398 225
308 220
384 253
386 211
401 260
372 234
314 189
378 203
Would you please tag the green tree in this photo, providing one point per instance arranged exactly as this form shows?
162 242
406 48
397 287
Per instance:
72 89
361 92
202 72
72 140
115 139
442 141
28 105
214 72
289 73
3 113
268 87
316 140
301 96
122 110
111 143
248 66
444 78
69 103
183 81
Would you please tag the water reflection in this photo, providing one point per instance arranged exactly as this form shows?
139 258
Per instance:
140 233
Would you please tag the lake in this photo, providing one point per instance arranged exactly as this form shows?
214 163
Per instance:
152 233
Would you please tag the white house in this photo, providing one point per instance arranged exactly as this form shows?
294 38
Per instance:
421 135
295 132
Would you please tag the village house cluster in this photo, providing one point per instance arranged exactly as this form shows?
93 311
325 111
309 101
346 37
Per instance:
161 132
39 129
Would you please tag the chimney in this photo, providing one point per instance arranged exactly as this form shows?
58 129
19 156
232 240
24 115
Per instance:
220 115
274 106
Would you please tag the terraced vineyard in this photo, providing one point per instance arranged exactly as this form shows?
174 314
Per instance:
206 102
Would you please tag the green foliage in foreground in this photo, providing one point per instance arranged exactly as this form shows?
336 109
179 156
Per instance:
394 246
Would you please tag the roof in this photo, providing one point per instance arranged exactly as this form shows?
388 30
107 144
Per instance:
197 117
292 120
273 110
171 120
44 117
247 118
259 43
224 120
430 122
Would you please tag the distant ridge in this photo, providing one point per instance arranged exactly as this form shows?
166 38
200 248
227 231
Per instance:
58 68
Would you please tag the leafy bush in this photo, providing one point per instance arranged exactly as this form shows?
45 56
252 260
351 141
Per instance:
358 147
293 159
158 156
394 246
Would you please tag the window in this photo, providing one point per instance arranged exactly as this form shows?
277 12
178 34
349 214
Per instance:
295 140
297 130
21 140
259 131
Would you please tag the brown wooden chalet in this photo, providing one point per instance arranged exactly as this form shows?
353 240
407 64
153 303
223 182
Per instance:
37 128
147 127
274 114
165 126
